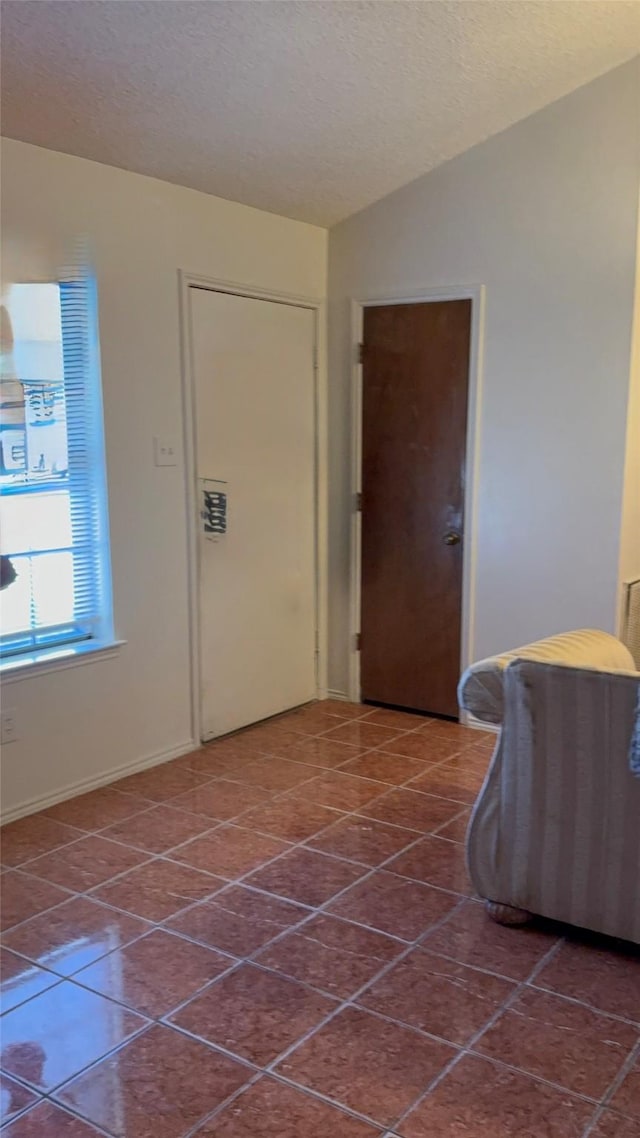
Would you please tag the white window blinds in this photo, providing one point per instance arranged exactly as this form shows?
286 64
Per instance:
52 477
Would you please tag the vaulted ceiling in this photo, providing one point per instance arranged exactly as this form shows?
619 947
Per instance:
311 109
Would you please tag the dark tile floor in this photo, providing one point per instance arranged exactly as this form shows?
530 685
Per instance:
276 937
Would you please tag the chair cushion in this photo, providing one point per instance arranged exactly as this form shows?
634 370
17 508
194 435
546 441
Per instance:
481 688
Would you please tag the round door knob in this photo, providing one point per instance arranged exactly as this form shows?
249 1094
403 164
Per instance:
452 537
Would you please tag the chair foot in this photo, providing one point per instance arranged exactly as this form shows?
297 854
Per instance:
507 914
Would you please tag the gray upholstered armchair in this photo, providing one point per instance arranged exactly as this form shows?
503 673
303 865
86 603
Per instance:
556 828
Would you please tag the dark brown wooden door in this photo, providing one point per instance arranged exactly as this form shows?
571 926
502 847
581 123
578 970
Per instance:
415 385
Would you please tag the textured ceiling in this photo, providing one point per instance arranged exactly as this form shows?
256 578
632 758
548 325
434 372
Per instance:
311 109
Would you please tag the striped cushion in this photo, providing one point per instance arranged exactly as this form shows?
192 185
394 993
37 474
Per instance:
481 688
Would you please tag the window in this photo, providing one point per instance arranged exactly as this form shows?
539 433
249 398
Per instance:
56 581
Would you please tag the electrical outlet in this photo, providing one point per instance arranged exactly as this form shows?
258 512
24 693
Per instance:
9 726
165 452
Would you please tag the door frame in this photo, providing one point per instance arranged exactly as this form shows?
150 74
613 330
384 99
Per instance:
187 280
476 294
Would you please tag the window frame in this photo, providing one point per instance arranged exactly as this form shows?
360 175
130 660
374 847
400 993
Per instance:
90 630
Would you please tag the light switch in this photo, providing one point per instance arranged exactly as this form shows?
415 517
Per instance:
165 452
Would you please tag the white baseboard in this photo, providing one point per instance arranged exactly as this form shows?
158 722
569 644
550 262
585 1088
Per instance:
32 805
332 693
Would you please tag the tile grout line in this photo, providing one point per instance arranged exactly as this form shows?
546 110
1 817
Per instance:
302 843
243 882
344 814
54 1093
165 855
310 912
277 795
436 833
290 792
528 984
370 872
114 841
319 1095
193 1130
410 946
635 1023
261 1072
270 1069
343 1005
234 961
615 1084
343 1001
43 912
242 732
192 904
419 942
51 1091
324 909
377 749
466 1049
237 963
180 912
45 1099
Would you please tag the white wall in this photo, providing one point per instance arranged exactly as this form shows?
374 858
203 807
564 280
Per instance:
545 216
630 535
82 723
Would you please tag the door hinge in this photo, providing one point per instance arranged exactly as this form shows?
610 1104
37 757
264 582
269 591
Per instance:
360 353
358 641
359 502
315 358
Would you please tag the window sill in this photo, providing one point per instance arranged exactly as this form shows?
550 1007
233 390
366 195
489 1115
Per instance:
57 659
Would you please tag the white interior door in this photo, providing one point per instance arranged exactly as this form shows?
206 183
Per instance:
255 443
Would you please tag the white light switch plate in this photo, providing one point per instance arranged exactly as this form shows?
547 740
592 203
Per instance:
165 452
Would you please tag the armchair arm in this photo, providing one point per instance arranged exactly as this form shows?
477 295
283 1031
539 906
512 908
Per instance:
480 690
555 830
